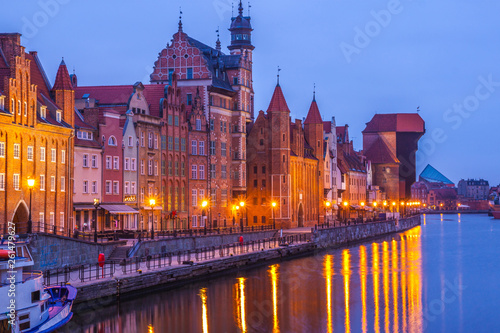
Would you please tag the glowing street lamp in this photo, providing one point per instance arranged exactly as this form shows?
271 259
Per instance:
96 205
273 204
242 204
152 203
31 183
204 204
345 203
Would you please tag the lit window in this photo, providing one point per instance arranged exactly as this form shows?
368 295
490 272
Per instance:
63 156
2 149
58 116
30 153
16 150
63 184
53 155
16 181
116 187
2 181
42 182
53 183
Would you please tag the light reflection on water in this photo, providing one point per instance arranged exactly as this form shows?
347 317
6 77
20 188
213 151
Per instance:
372 287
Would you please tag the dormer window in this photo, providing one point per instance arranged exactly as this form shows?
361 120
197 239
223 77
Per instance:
58 116
43 112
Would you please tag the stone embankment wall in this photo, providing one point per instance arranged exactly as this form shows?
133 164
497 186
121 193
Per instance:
333 237
52 251
199 242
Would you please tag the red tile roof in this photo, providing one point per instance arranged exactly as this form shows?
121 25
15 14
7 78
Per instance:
38 76
278 102
107 95
395 122
63 82
342 133
327 127
153 94
313 116
380 153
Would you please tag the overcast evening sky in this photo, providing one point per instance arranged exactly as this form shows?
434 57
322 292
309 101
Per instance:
365 57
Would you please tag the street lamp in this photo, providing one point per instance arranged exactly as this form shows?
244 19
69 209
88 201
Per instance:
152 203
31 183
96 205
242 204
273 204
345 210
327 204
204 205
362 210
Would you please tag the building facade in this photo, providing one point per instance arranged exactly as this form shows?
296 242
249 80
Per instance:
36 141
474 189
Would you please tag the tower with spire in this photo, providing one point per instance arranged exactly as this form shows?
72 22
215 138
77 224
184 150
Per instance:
64 94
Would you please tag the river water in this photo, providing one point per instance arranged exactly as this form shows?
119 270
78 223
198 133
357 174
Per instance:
439 277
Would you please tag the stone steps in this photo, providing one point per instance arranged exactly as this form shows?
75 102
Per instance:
119 253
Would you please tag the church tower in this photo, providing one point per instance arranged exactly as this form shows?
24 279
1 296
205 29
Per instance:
64 94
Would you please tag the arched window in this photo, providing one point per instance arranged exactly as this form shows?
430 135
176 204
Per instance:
112 141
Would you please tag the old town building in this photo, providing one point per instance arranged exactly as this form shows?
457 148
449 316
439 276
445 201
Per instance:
284 168
36 140
225 86
473 189
390 141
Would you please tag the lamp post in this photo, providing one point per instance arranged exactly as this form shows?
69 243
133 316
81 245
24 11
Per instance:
238 214
242 204
345 203
204 205
96 205
362 210
31 183
152 203
273 205
327 205
374 209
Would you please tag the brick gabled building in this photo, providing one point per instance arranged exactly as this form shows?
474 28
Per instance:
36 140
225 86
284 168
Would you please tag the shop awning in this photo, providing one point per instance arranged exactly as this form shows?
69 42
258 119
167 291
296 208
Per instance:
83 207
119 209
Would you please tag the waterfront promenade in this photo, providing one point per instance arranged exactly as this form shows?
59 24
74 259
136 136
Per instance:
140 274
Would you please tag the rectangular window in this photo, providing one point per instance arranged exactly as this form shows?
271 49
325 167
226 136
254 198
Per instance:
108 187
143 168
176 168
42 154
263 220
176 144
263 169
42 182
85 186
194 221
61 220
212 148
183 144
127 163
189 99
211 124
150 140
53 155
170 117
182 169
85 160
201 147
108 162
156 141
41 218
156 168
189 73
212 171
143 141
223 172
255 219
223 149
63 156
170 143
176 120
63 184
126 188
150 167
164 142
133 164
193 147
132 188
213 195
194 172
194 198
2 181
52 219
16 150
116 163
94 161
94 186
53 183
116 187
170 168
163 168
130 141
30 153
201 171
198 124
235 80
223 197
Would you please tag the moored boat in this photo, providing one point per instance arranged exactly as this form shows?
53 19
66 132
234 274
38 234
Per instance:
29 305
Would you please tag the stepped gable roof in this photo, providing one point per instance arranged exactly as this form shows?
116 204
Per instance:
278 102
106 95
38 75
153 94
327 127
313 116
431 175
63 81
380 153
395 122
